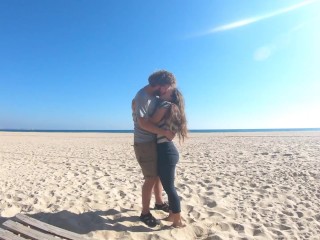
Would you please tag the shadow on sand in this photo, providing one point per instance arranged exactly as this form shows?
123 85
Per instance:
84 223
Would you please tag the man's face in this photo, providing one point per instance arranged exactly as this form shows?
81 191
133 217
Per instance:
163 89
168 95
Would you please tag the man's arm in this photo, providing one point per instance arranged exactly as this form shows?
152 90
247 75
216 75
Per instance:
151 127
133 105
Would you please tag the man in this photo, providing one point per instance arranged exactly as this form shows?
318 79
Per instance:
143 106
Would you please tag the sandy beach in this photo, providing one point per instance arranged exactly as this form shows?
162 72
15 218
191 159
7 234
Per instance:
232 185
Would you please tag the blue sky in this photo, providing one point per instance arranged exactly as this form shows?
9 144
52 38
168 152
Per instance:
240 64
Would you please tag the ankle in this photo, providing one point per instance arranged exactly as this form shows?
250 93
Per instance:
145 212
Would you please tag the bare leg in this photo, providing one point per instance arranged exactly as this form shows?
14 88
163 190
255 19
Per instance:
170 217
177 221
158 191
146 194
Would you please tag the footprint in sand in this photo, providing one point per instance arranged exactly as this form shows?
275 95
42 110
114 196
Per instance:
288 213
199 231
209 188
287 155
189 208
223 226
284 227
216 215
278 233
258 232
300 214
238 227
17 199
317 217
207 181
211 204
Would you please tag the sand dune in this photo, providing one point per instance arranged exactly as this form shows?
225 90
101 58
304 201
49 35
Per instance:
232 186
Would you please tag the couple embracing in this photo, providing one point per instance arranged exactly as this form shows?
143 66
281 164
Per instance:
159 115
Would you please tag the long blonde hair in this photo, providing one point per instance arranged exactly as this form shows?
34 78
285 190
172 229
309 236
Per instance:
176 117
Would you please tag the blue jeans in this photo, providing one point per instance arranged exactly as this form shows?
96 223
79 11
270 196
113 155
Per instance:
168 158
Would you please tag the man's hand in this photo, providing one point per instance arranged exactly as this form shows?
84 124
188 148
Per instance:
169 135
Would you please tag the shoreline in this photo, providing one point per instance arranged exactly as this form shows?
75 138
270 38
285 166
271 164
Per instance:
244 130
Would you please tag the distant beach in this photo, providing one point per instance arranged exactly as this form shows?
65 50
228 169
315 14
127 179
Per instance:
245 184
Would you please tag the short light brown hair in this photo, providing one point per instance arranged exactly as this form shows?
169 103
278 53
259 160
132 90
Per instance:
162 78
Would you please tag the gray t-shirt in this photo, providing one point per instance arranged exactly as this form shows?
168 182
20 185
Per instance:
164 123
145 106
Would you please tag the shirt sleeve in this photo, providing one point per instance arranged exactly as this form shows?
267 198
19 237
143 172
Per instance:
164 104
140 108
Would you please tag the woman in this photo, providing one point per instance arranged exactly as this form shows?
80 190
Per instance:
170 115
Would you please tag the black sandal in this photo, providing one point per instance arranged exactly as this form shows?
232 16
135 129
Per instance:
149 220
164 207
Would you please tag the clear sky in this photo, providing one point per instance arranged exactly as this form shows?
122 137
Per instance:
77 64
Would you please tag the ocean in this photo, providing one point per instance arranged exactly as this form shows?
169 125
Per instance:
191 131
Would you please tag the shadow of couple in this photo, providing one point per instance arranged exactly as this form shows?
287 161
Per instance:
84 223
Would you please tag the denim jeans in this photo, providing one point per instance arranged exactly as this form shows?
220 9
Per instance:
168 158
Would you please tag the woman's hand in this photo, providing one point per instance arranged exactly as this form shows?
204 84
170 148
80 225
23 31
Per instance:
169 135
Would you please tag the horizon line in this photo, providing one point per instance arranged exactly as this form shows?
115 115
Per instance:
132 130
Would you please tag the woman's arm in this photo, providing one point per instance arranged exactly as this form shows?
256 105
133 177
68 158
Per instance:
147 125
160 112
158 115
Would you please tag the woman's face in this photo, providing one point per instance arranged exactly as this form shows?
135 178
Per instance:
167 96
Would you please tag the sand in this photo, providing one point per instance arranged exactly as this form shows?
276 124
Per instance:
232 185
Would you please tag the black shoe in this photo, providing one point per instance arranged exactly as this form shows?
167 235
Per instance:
164 207
149 220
